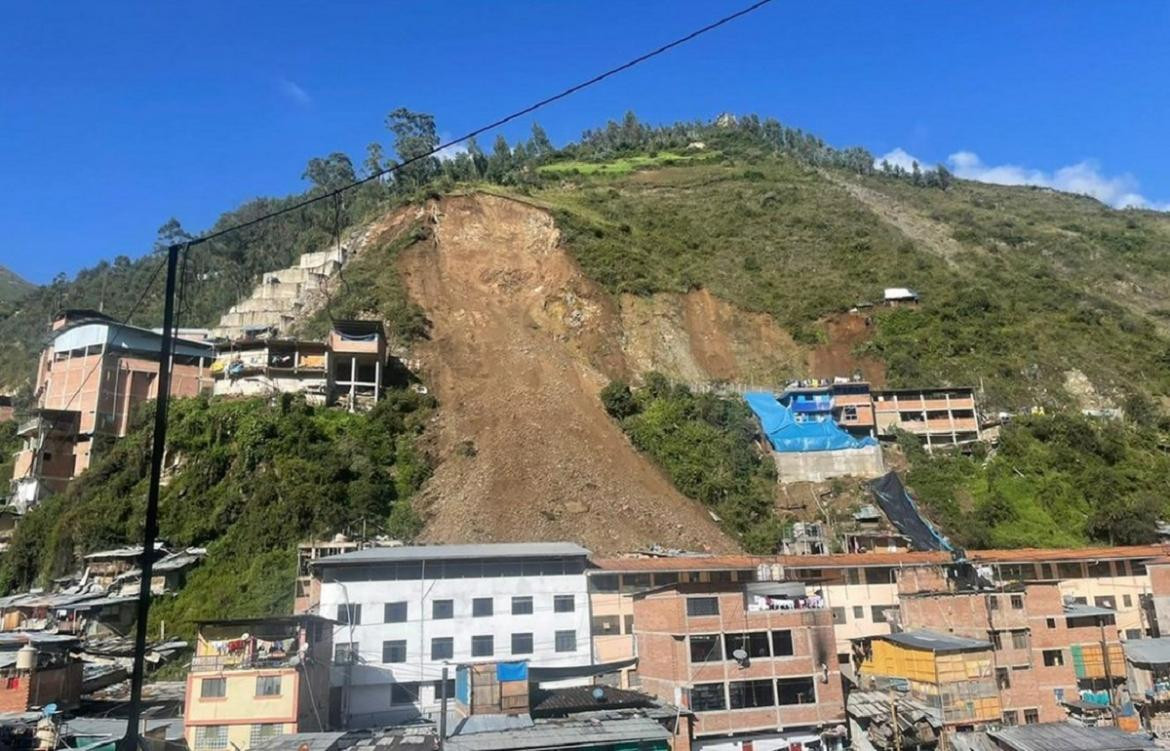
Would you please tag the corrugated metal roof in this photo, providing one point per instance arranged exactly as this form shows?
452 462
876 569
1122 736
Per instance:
294 741
737 562
554 734
1147 653
1077 610
1065 736
1036 555
935 641
456 552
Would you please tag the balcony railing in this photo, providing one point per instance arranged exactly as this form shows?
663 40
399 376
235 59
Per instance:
220 663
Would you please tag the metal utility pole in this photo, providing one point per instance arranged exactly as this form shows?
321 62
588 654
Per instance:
443 711
150 531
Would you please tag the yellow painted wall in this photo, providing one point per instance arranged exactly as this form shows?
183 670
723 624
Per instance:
240 703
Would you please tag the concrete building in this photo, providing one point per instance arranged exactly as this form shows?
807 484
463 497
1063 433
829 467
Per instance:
939 416
753 662
91 377
405 613
1044 653
254 678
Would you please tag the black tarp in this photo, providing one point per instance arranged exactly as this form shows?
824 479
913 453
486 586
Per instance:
903 513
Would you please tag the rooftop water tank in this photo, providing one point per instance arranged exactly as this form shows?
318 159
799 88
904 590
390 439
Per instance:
26 657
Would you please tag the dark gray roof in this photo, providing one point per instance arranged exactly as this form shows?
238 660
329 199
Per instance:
554 734
456 552
1077 610
936 641
572 699
1065 736
294 741
1146 653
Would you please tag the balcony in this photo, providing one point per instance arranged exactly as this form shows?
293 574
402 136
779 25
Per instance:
223 663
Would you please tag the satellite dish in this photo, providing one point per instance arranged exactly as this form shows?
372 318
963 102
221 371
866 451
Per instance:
598 693
741 656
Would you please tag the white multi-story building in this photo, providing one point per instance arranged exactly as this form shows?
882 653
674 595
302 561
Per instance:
404 613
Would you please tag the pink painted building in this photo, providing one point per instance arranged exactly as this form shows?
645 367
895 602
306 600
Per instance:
91 377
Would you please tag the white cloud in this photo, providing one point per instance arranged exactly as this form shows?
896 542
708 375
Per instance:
293 92
1084 177
898 158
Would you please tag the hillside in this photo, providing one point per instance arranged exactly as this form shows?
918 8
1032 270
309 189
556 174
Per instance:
530 279
13 287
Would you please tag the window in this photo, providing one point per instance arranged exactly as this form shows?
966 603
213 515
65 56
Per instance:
664 579
996 640
699 606
879 575
1017 602
1137 569
852 576
481 607
1133 633
1069 570
403 693
1100 569
755 644
838 615
213 688
782 644
1050 622
705 697
747 694
394 651
635 582
707 648
265 730
1011 717
629 624
795 691
858 612
992 602
441 610
211 737
521 606
268 685
878 612
1053 657
566 641
1003 678
483 645
442 648
522 644
850 413
345 652
564 603
349 615
606 625
1019 640
1127 601
395 612
450 689
603 582
1031 716
1105 602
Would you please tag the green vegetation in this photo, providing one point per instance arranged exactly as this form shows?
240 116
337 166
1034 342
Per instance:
249 481
9 445
622 166
1052 481
371 286
12 289
705 444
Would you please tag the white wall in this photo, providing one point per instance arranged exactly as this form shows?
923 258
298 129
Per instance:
370 679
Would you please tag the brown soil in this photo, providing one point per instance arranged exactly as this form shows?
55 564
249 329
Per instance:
697 338
846 332
521 343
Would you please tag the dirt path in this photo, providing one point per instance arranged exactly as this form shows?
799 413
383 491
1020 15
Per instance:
521 343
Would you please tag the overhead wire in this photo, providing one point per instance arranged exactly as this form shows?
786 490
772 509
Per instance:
379 174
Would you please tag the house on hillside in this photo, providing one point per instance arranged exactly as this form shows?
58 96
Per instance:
91 377
895 296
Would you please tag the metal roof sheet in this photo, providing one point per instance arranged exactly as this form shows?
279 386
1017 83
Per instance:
294 741
1065 736
1147 653
935 641
456 552
554 734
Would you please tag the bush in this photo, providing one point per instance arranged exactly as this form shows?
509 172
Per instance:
618 400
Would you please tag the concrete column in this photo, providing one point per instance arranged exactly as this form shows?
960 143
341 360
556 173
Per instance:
377 380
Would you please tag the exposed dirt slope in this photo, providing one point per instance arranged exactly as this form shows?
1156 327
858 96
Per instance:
696 338
835 357
521 343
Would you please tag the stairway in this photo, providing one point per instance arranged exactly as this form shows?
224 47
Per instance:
283 297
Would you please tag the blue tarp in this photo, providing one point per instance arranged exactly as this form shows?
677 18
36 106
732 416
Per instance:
512 671
787 435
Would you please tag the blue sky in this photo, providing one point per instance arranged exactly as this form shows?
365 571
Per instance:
114 117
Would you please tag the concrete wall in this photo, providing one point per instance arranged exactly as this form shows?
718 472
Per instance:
370 681
817 466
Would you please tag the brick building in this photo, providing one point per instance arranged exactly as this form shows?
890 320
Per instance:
754 662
